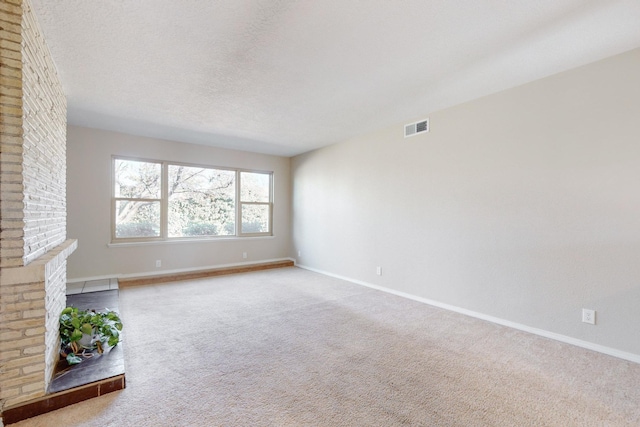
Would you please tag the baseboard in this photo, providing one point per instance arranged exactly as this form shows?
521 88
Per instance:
200 274
541 332
175 271
90 278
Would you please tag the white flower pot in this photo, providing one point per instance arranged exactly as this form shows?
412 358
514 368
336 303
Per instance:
85 341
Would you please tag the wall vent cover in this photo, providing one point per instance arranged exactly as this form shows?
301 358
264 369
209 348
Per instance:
415 128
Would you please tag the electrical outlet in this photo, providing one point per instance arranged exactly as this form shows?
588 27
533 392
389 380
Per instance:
589 316
379 271
299 254
244 255
158 263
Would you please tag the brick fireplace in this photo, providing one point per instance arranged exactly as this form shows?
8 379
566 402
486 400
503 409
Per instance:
33 242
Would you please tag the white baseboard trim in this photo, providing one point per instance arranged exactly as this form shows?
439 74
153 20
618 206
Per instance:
90 278
541 332
175 271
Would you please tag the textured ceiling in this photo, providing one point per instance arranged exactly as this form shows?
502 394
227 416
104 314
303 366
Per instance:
284 77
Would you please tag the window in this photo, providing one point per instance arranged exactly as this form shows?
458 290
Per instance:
255 202
137 199
154 200
202 202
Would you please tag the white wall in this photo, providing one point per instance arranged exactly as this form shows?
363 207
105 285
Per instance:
89 154
523 205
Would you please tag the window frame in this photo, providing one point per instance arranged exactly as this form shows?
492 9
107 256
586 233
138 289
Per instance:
115 199
164 202
240 203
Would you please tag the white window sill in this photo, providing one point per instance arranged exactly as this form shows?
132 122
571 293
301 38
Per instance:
182 241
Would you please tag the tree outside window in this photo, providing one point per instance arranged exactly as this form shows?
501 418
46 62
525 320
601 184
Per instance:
137 199
201 202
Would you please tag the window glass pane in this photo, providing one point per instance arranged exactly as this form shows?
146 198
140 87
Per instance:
137 180
255 187
137 219
255 218
201 202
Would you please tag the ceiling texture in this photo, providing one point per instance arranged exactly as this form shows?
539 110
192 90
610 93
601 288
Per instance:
284 77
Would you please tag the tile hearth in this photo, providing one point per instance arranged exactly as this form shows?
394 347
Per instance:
91 286
98 367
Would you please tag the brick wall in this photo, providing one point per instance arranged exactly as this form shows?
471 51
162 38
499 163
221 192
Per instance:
34 109
11 185
23 343
31 299
44 124
33 245
55 294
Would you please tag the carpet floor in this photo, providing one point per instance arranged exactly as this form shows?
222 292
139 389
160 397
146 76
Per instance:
289 347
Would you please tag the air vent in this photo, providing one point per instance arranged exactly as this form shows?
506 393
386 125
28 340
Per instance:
416 128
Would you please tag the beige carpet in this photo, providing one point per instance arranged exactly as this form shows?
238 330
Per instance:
293 348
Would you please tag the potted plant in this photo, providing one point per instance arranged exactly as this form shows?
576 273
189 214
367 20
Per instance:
82 330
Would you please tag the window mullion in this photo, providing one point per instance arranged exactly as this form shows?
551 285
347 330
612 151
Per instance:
238 204
256 203
135 199
113 198
164 202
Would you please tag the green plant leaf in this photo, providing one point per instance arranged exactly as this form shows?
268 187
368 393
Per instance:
87 329
76 335
74 323
72 359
